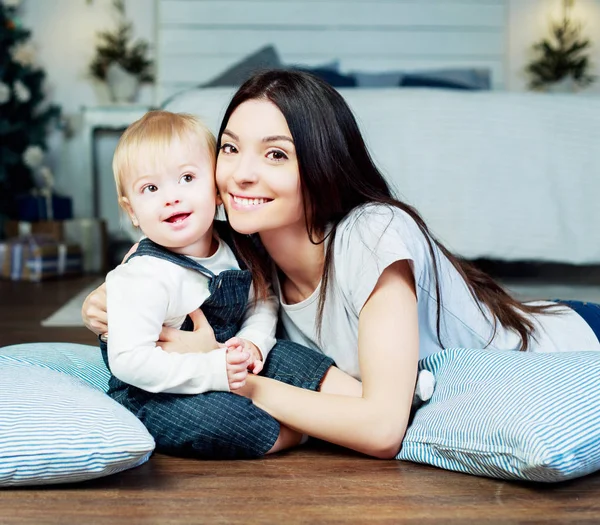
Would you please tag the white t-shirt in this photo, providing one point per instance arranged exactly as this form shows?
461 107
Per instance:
146 293
367 242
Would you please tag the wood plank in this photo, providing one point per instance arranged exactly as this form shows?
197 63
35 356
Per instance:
327 14
24 305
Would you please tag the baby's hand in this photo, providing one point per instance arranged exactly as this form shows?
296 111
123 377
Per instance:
243 345
237 367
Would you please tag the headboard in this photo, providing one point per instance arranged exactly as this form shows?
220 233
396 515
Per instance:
198 39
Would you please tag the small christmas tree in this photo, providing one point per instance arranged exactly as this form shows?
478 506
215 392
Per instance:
24 117
563 55
117 46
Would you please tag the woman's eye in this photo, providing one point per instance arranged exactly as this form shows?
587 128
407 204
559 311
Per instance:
187 178
150 188
228 148
276 154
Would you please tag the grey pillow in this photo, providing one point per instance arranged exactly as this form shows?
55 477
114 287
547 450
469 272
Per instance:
236 75
377 80
469 78
466 78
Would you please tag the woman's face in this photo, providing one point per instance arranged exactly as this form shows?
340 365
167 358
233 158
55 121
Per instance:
257 170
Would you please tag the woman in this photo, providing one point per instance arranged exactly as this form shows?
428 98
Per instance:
358 273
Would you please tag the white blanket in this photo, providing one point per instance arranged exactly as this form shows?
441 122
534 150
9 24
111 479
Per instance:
502 175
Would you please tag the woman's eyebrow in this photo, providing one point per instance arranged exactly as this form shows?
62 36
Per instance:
270 138
231 134
274 138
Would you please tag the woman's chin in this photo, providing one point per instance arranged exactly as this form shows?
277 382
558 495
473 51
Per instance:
242 226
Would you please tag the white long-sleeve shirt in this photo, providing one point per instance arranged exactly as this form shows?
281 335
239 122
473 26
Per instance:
146 293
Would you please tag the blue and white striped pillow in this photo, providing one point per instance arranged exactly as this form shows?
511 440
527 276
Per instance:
58 428
510 415
82 361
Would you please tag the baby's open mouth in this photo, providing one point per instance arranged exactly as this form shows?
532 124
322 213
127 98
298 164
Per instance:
178 217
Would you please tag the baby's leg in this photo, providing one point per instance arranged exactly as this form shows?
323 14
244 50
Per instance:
214 425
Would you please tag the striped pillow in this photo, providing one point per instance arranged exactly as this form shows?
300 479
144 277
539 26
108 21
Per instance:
56 428
510 415
82 361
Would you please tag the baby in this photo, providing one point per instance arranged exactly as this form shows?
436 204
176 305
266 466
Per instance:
164 172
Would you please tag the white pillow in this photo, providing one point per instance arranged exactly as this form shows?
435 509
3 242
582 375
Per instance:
56 428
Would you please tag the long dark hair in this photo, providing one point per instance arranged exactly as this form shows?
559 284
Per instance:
337 175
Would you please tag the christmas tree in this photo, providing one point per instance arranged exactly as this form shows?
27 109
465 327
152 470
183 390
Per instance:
24 114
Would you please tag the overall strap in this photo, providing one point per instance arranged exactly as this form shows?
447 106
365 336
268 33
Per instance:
148 247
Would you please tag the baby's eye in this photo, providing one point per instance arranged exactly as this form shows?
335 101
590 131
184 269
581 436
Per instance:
276 154
186 178
228 149
150 188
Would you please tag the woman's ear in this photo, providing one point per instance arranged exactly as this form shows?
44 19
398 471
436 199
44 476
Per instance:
126 205
218 199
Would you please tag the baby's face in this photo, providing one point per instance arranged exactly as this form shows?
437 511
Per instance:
173 197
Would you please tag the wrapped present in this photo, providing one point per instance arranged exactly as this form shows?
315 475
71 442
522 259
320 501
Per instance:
34 258
37 207
90 234
53 229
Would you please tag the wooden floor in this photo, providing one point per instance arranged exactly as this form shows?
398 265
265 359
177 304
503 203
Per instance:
314 484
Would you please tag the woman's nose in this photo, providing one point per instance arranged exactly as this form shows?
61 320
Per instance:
245 172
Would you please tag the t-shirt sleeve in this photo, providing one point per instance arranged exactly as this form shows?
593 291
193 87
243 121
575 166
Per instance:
368 241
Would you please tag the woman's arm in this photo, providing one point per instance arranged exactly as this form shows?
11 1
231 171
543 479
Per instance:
260 322
388 342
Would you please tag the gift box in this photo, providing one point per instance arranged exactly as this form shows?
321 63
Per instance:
35 258
53 229
89 234
34 207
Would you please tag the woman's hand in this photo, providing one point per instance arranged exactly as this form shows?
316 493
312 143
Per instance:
93 311
201 340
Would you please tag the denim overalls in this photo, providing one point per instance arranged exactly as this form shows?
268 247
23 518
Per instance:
218 424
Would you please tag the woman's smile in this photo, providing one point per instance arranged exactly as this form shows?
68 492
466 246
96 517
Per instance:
243 203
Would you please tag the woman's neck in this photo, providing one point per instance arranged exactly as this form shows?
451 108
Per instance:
300 261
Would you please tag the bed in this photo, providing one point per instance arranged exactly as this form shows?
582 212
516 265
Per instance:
499 175
496 174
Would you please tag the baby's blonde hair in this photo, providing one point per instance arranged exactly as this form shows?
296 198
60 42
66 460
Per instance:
150 137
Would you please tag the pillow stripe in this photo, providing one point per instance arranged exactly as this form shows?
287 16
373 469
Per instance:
511 415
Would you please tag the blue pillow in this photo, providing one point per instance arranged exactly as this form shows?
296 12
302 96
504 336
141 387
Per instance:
449 78
510 415
334 78
385 79
415 80
58 428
